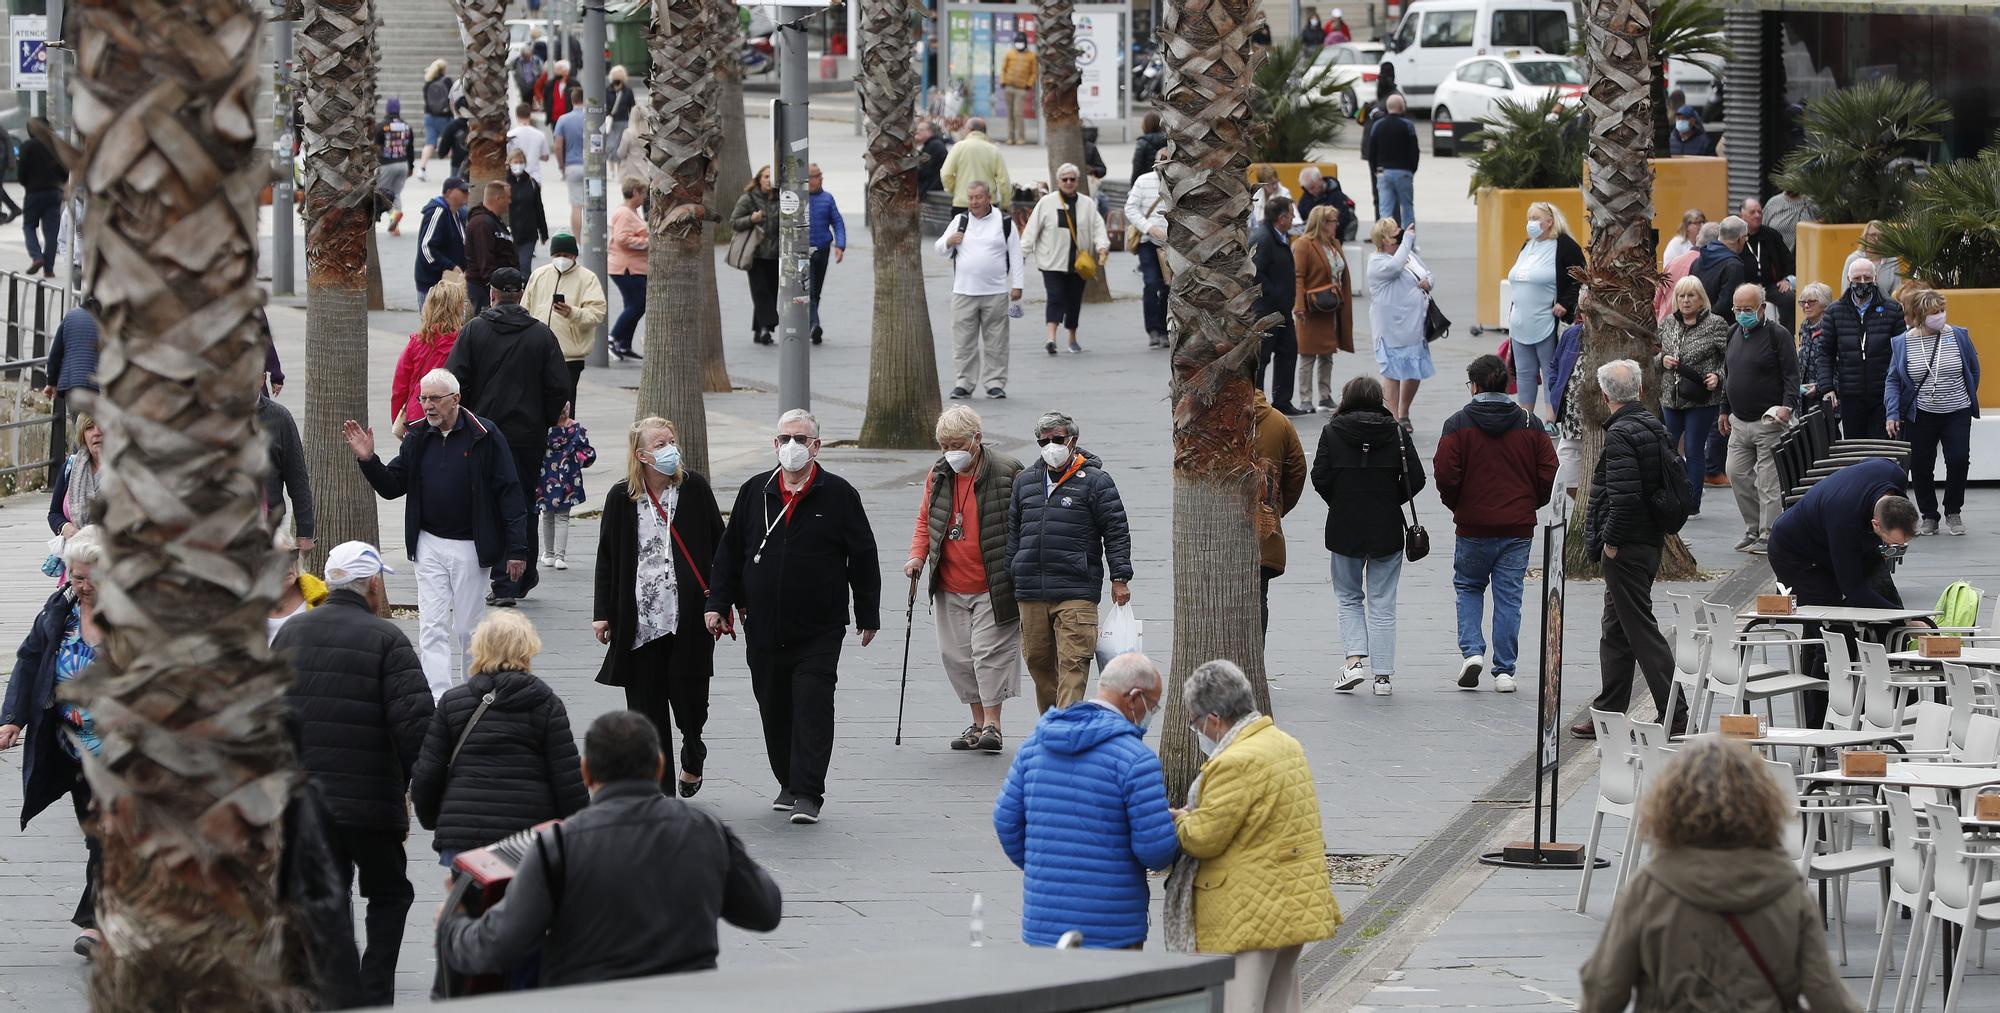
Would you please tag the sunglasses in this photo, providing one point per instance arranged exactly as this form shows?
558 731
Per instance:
1043 441
784 438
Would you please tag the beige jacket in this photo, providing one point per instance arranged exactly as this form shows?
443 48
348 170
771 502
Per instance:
1668 942
584 295
976 160
1046 235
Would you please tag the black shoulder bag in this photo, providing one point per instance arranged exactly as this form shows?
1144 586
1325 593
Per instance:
1416 541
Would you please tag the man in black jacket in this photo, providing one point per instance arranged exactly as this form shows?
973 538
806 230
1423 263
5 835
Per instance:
288 469
1393 150
631 886
1760 391
1065 527
510 367
1720 265
796 542
489 244
1620 531
934 148
465 513
362 709
1768 260
1854 363
1277 281
42 177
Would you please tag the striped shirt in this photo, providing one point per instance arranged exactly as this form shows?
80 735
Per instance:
1937 373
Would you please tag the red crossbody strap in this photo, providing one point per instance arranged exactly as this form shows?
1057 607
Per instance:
675 532
1755 957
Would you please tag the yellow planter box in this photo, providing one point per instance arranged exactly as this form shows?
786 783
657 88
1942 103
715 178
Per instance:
1978 311
1503 227
1288 174
1822 249
1683 183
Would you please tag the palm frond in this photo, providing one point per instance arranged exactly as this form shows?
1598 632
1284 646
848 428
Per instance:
1691 30
1949 232
1297 105
1529 145
1852 137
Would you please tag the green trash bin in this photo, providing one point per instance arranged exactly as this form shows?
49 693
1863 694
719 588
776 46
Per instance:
627 37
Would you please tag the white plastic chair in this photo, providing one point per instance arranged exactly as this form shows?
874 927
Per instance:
1654 746
1838 857
1843 681
1617 795
1729 676
1951 900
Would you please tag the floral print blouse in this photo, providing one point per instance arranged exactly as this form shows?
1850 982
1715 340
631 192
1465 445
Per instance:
658 588
72 657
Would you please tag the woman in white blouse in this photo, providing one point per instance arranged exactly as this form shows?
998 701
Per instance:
655 549
1399 296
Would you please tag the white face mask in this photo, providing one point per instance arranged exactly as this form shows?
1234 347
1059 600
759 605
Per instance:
563 264
1935 321
1204 743
959 460
1534 228
1055 455
793 456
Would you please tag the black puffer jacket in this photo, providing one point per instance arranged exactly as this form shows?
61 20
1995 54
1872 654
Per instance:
510 369
1627 472
362 705
517 769
1059 544
1357 472
1856 348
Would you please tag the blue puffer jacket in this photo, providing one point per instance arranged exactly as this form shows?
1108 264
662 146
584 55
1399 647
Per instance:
1084 814
1058 545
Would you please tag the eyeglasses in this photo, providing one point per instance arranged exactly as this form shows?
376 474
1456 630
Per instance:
433 398
1809 302
784 438
1043 441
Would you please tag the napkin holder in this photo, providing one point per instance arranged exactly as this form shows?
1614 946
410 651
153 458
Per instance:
1939 647
1864 763
1774 604
1739 726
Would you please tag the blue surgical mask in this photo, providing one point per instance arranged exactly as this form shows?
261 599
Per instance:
1747 320
667 459
1684 126
1534 228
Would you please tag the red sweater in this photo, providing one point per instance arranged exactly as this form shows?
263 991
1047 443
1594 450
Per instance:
1495 468
417 359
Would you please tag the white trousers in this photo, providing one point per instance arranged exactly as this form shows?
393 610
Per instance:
1266 981
451 596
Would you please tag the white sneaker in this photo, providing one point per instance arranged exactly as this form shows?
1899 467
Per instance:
548 561
1503 683
558 564
1382 687
1350 677
1468 671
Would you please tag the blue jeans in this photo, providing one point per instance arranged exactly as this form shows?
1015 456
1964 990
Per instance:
1504 562
631 292
1396 195
1366 589
1697 423
1155 298
1533 366
41 212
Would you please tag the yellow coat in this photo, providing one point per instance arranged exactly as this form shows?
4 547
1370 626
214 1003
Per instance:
1263 880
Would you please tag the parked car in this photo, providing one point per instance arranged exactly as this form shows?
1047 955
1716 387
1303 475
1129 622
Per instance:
1365 57
1435 36
1475 85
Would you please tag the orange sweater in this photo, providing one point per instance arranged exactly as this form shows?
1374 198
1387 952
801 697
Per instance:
961 567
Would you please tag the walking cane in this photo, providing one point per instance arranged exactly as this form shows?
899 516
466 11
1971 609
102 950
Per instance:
909 621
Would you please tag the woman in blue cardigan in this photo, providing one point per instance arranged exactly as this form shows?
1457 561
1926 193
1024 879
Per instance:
1930 397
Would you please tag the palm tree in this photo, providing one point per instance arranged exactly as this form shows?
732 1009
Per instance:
1205 101
485 80
1062 125
902 374
732 157
1689 30
195 770
680 150
337 63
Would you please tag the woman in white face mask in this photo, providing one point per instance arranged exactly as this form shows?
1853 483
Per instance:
656 545
961 534
1931 398
1254 887
1544 298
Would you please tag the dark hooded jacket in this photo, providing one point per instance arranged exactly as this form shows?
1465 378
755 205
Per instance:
518 767
1365 484
1061 540
1145 150
489 244
1621 511
510 370
1721 270
47 772
1505 458
1855 354
934 152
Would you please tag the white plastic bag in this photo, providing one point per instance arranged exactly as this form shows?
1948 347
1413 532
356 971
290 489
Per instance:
1119 631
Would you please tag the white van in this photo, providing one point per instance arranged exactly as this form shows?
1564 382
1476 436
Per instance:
1435 35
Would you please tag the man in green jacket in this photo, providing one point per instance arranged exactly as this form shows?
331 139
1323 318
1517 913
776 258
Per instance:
976 159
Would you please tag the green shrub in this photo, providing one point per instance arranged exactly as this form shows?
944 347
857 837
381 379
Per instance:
1530 146
1297 106
1854 138
1949 232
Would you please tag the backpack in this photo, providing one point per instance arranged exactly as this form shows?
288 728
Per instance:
1006 231
437 97
1673 501
1958 607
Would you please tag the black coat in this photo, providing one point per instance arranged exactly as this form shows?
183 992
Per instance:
615 600
510 369
934 152
798 590
500 531
1856 351
489 245
1364 483
362 706
1767 258
47 771
1620 509
525 213
1277 272
1145 151
1059 545
518 768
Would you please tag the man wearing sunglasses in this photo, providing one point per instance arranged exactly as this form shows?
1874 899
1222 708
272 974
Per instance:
797 542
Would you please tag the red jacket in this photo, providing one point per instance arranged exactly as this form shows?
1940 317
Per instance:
1495 468
417 359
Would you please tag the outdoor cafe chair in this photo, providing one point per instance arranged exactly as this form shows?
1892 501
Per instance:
1617 795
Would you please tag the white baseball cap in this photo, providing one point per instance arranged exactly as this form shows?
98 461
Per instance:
352 561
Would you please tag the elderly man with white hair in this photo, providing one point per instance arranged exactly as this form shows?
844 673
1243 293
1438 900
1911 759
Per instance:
1760 391
797 541
986 275
1621 532
465 513
1084 814
1065 231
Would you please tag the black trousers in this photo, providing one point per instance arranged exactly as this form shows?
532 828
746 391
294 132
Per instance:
1264 575
794 687
1154 295
480 294
1065 294
1927 433
820 256
1814 584
575 378
85 916
1630 635
1863 418
377 855
1280 352
763 294
670 680
527 467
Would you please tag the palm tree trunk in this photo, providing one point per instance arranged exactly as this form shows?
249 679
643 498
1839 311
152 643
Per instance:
1206 104
1062 125
714 364
195 772
485 88
680 148
337 61
903 399
732 155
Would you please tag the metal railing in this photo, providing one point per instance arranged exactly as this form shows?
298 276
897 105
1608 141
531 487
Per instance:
21 377
35 308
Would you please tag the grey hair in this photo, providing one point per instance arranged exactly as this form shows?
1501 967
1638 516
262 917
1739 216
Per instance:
1310 175
1848 275
1130 671
1220 688
1749 286
1734 228
1051 421
1069 167
85 548
358 585
1710 232
442 377
1817 290
801 415
977 123
1620 380
979 185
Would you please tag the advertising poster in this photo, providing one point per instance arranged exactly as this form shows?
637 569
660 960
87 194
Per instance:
1549 710
985 71
1097 58
28 37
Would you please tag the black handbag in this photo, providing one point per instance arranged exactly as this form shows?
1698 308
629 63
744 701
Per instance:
1437 326
1416 541
1323 300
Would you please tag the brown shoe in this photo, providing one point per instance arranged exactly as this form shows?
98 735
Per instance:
1583 730
1716 479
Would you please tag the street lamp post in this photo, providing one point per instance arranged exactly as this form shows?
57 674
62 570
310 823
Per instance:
595 241
794 205
282 174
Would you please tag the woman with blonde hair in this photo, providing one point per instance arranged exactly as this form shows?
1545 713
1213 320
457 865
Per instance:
437 113
656 546
1691 372
75 490
1544 294
1399 295
1323 279
445 310
1719 918
498 757
1691 222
